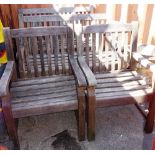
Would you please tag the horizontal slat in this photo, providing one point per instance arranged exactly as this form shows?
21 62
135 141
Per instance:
123 84
64 18
54 10
39 31
45 85
118 79
43 91
102 28
120 89
42 80
45 107
36 98
125 92
36 10
122 100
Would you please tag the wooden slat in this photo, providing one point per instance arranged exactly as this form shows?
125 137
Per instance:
47 40
107 28
45 107
94 52
21 59
63 54
87 48
125 92
27 57
42 91
39 31
40 43
52 96
41 80
34 51
56 51
42 86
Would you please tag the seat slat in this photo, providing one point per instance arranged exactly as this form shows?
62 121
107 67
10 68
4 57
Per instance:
44 96
122 84
42 80
132 93
120 89
44 108
43 91
46 85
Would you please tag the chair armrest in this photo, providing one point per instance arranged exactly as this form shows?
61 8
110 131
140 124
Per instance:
6 78
144 62
81 81
91 80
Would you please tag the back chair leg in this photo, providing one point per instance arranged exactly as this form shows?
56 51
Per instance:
151 116
81 113
91 112
9 121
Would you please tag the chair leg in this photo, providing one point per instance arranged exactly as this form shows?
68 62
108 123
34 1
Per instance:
151 116
9 121
91 112
81 113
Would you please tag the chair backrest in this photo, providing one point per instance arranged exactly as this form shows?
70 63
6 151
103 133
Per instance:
108 47
41 51
22 13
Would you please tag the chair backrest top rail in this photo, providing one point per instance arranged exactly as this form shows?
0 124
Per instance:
39 31
65 17
102 28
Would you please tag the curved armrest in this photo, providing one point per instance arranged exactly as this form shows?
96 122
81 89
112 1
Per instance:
6 78
144 62
77 71
91 80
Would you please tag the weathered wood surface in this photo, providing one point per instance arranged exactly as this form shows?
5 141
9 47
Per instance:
44 95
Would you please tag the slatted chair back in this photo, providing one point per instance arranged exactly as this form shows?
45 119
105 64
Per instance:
38 51
108 47
26 13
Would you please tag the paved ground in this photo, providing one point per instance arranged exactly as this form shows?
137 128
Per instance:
117 128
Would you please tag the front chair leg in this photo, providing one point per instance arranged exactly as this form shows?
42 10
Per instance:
9 121
151 116
91 112
81 113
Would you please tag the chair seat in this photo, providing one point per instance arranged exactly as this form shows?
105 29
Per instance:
127 87
43 95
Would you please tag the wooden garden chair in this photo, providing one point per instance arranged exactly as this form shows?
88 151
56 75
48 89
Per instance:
110 70
49 82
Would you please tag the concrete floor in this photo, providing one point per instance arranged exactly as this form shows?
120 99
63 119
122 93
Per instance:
118 127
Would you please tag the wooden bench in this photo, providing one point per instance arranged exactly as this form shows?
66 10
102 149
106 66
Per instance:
27 89
109 68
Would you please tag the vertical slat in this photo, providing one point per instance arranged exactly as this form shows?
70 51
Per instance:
87 48
47 41
134 39
94 53
100 51
27 57
63 54
51 49
97 51
40 43
56 51
20 51
120 50
34 53
106 50
125 38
